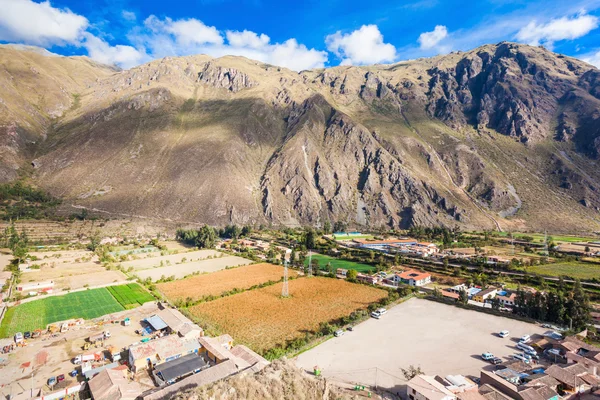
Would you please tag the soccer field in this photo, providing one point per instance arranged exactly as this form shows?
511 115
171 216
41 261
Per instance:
131 295
337 263
88 304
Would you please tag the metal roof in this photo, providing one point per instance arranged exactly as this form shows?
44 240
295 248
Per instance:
156 322
181 366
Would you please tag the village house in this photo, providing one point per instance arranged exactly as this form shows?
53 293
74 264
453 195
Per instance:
370 279
423 387
507 300
415 278
158 351
383 245
485 294
112 384
36 287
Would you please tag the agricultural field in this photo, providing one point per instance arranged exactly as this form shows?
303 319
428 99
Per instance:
183 269
338 263
69 269
215 284
539 237
37 314
130 295
155 260
574 269
262 319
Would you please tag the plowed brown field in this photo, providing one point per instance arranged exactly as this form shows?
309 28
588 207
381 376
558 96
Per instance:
214 284
263 319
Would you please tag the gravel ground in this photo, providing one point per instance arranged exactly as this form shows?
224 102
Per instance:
441 339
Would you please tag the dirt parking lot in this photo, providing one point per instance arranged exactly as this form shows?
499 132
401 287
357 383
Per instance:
51 356
441 339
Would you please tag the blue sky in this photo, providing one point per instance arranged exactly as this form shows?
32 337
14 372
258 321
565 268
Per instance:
300 34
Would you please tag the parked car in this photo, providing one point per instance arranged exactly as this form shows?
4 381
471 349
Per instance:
381 311
27 335
18 337
496 360
51 381
376 314
525 339
106 334
338 333
487 356
546 325
503 334
521 357
60 378
351 328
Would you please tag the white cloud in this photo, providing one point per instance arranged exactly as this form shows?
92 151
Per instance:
128 15
185 37
123 56
557 29
41 24
185 31
429 40
592 58
247 39
362 46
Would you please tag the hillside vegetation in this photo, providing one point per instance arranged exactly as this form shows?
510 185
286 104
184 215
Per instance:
501 137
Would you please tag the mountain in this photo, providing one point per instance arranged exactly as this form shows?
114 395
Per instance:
505 136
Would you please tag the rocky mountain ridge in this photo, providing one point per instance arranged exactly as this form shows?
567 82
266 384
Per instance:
501 137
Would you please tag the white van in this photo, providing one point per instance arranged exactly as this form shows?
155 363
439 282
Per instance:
526 348
521 357
525 339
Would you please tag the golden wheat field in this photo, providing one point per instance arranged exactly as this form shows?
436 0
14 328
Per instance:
263 319
197 287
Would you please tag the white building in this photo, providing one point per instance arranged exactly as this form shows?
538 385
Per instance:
425 387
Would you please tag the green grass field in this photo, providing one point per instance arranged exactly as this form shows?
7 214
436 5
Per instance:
130 295
578 270
37 314
337 263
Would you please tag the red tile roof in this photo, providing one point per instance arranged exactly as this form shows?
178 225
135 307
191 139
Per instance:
416 275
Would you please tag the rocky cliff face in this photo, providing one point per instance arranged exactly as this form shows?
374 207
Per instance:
499 137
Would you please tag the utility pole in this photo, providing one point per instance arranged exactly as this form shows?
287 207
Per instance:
285 290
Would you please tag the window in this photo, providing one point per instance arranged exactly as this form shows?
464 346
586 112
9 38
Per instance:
411 397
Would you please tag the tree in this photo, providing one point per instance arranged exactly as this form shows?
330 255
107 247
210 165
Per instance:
352 274
578 308
587 249
340 226
309 238
463 297
495 303
330 268
206 237
246 231
327 227
411 372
